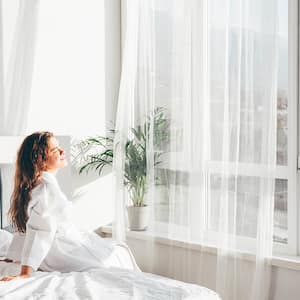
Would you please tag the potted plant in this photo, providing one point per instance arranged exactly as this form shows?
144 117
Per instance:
135 169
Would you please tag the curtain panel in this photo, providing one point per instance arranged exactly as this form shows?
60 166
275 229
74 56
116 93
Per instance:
195 138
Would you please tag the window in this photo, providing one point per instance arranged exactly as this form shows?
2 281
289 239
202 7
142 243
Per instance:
285 184
248 185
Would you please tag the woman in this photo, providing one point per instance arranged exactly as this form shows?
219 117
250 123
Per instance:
45 237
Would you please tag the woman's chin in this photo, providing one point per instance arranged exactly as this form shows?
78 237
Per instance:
64 163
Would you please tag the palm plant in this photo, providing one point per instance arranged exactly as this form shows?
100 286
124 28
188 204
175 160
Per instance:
135 169
97 160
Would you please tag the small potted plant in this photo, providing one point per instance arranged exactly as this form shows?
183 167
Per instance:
135 169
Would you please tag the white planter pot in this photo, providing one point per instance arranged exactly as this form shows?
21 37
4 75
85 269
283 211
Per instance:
138 217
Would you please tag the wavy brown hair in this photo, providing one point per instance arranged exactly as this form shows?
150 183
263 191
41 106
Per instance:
31 161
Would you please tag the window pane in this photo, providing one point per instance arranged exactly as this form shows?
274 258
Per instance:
282 100
247 191
280 212
172 197
243 192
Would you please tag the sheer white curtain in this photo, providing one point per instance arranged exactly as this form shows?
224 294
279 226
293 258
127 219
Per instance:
198 103
16 63
16 78
243 54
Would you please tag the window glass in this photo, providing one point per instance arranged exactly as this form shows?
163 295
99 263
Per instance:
247 185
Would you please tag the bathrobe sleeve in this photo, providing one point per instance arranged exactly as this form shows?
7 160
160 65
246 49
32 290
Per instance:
40 229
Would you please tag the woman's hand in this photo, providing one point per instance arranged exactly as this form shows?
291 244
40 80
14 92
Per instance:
9 278
25 273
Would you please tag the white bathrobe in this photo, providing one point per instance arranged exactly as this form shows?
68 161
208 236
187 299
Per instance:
53 243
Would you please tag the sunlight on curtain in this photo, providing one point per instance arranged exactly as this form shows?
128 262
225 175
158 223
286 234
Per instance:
19 37
243 95
196 128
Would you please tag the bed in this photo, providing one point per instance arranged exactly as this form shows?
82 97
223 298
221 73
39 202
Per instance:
107 283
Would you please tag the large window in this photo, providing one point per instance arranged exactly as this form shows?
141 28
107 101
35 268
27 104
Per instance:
248 179
248 186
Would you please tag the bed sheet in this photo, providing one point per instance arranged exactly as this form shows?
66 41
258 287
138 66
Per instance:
101 283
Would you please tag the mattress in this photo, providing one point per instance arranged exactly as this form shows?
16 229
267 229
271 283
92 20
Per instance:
100 283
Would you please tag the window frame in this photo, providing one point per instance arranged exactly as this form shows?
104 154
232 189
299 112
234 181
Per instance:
293 140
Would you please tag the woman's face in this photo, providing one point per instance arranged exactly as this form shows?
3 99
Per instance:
55 157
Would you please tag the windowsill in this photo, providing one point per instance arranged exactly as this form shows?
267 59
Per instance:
286 262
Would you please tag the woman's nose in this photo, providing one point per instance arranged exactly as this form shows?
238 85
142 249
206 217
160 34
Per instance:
61 151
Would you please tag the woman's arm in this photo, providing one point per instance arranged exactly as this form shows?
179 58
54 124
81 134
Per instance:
40 229
40 232
25 272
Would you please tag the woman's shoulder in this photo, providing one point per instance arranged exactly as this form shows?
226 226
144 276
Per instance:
46 195
39 189
40 196
46 184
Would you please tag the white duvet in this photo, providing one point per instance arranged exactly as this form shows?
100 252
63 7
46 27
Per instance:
104 284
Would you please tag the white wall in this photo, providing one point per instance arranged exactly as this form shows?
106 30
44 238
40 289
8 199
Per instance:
93 203
202 267
93 195
285 284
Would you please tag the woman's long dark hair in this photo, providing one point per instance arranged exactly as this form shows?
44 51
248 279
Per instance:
31 159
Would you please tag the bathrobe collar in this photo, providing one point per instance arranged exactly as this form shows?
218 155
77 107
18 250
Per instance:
49 177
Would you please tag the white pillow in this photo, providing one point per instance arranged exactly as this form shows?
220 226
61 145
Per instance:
5 240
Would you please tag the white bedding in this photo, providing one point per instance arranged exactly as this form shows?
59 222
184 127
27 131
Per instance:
104 284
